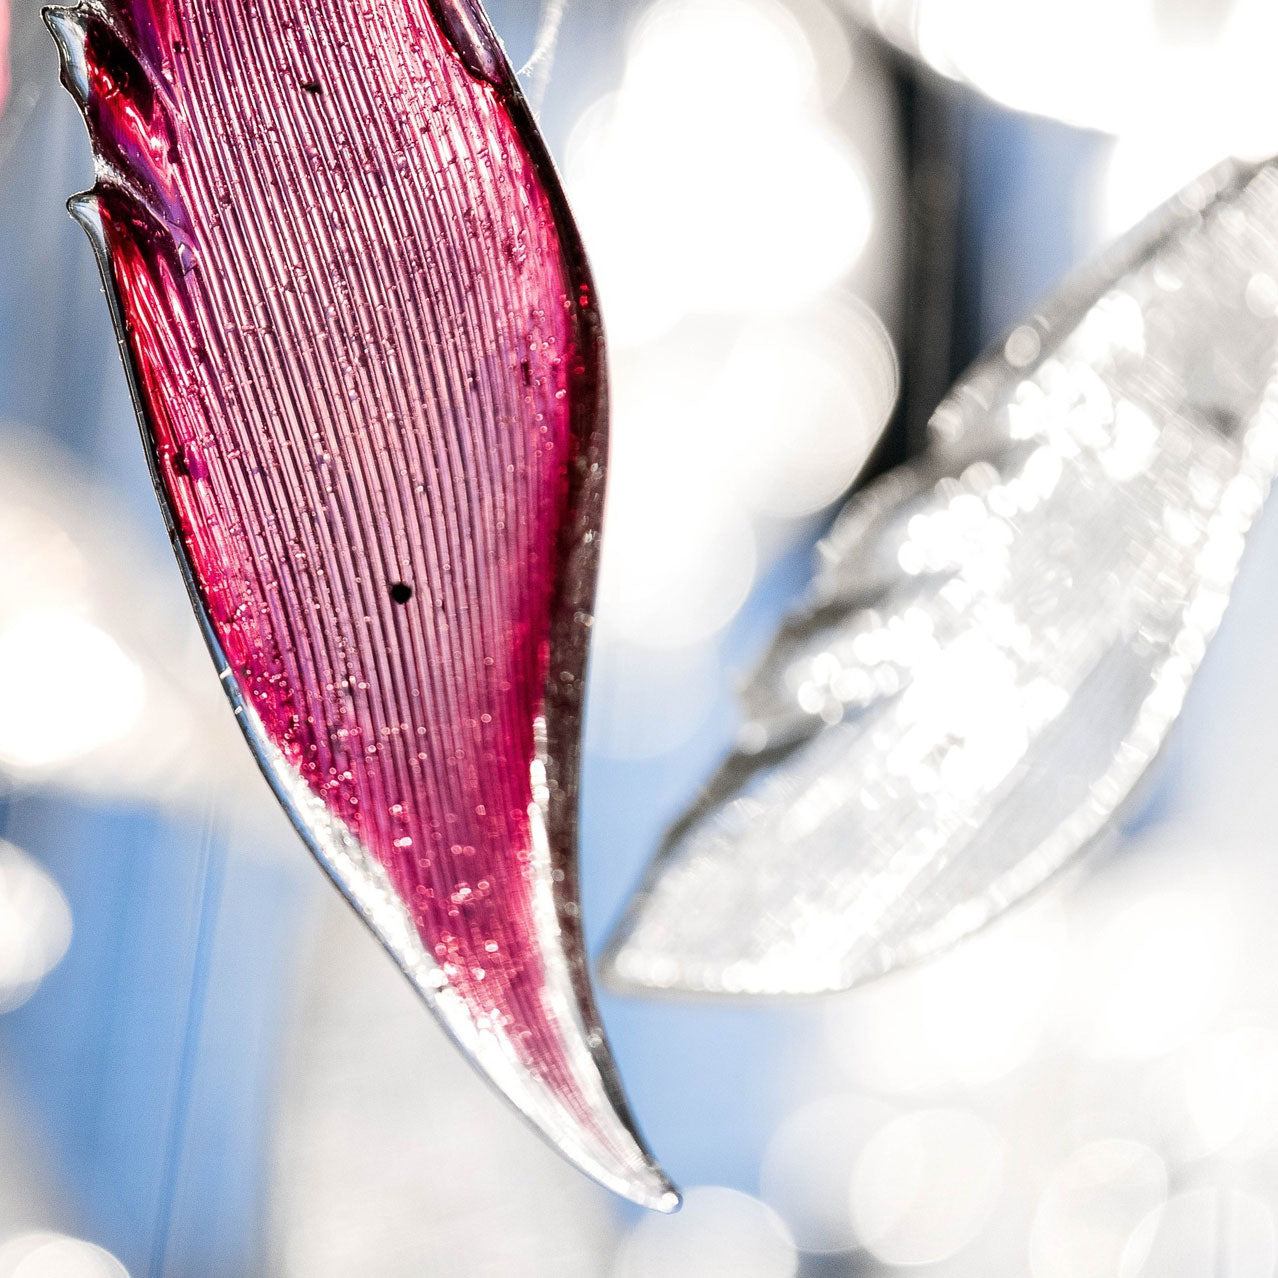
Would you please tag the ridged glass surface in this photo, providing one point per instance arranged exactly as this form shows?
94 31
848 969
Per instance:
1000 635
365 353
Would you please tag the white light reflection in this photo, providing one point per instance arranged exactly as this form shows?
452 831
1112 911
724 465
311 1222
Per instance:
729 230
970 1017
1183 67
678 554
46 1255
35 927
926 1185
1157 975
1091 1206
1208 1232
385 1181
718 1233
1231 1089
1179 83
1143 170
799 405
695 196
67 689
1119 1091
807 1170
104 680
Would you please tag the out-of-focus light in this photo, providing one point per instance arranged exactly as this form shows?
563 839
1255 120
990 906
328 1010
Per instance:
800 404
719 1233
42 565
67 688
1114 65
45 1255
672 38
926 1185
1215 1231
1145 168
702 447
1156 976
727 225
679 554
742 201
397 1185
968 1018
105 682
1231 1088
35 927
673 572
1090 1207
806 1174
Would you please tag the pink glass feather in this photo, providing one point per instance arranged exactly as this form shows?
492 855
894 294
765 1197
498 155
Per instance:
366 358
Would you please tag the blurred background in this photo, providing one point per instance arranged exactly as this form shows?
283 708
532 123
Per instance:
806 216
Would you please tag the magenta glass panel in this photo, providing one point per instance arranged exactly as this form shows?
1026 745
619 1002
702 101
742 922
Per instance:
368 366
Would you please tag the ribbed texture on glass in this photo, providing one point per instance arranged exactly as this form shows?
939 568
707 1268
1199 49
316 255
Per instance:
364 347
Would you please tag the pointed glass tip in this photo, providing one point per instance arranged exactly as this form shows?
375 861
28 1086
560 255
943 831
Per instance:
68 28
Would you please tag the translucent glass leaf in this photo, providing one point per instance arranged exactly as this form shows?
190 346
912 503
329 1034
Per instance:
1000 635
363 345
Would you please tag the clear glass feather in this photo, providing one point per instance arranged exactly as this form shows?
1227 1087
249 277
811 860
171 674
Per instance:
1000 635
